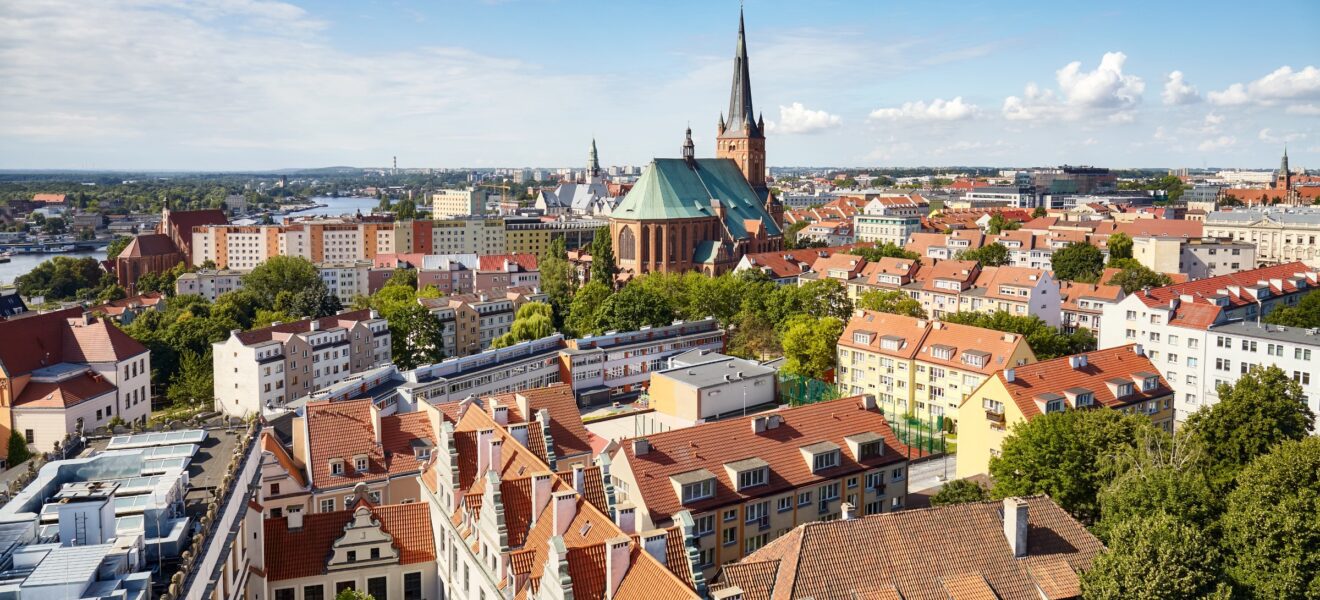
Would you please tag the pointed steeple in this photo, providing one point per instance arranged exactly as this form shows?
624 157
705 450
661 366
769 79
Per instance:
742 118
593 161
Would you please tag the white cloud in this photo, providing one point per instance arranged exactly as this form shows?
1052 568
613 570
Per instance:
1220 143
1213 119
1306 110
1161 133
1269 136
938 110
1282 85
1177 91
1107 90
797 118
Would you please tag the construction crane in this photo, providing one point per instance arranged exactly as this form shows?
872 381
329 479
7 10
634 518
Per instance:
504 191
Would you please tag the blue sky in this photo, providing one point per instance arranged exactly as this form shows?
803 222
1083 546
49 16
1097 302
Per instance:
255 84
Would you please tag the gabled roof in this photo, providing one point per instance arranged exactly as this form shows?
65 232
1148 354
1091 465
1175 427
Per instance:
671 189
996 345
910 332
1202 289
566 429
272 445
265 334
792 263
879 556
61 336
185 220
151 244
495 262
1070 292
1057 375
710 446
305 551
343 430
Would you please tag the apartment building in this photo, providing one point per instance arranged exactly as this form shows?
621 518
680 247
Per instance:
269 366
525 365
1121 378
615 363
387 551
508 525
941 246
1280 235
1197 258
951 286
1242 345
208 283
66 372
1014 549
889 273
889 220
243 247
447 204
1082 305
472 321
746 481
784 267
1173 323
449 273
499 272
830 233
346 280
533 235
920 367
469 235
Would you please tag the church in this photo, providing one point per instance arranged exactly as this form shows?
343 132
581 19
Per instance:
703 214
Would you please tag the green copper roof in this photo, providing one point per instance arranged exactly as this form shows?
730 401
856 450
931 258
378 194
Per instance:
670 189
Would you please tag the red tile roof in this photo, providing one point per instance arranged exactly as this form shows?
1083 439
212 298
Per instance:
960 552
281 454
304 552
115 308
64 394
783 264
185 220
495 262
1196 310
569 435
343 429
1056 375
344 319
710 446
49 198
99 341
151 244
61 336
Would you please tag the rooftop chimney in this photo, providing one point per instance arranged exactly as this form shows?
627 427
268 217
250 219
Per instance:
847 510
1010 375
565 507
641 446
541 486
500 413
758 424
732 592
655 542
1139 350
579 479
375 422
496 453
295 520
519 432
626 517
483 450
868 401
1015 525
618 554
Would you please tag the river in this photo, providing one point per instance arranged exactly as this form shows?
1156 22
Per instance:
22 263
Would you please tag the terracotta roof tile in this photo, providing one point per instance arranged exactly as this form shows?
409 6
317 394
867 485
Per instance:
343 430
712 445
273 446
99 341
1055 577
64 394
566 429
1202 289
61 336
495 262
959 544
1058 375
964 339
792 263
344 319
409 524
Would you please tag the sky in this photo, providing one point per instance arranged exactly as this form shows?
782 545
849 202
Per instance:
259 85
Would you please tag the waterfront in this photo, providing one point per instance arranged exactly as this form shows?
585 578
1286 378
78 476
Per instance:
334 207
22 263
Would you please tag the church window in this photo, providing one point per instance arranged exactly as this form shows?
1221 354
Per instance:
627 244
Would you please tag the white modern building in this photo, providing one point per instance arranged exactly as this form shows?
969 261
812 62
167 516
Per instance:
1241 345
619 363
209 283
457 203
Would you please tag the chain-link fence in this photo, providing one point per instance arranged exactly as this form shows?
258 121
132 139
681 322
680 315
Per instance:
925 435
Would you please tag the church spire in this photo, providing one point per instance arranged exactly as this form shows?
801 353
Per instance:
689 149
593 162
742 119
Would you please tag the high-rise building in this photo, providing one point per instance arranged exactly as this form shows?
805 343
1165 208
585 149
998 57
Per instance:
457 203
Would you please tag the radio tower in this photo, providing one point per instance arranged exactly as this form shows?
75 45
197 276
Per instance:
395 171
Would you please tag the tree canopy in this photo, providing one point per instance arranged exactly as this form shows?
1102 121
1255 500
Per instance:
1046 342
1272 524
810 345
999 224
288 274
960 491
1078 262
602 257
989 255
1305 314
1155 557
532 322
1136 278
879 251
1120 245
1261 409
891 301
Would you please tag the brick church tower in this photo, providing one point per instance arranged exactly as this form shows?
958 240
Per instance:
742 137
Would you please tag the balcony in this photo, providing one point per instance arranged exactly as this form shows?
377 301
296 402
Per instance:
995 418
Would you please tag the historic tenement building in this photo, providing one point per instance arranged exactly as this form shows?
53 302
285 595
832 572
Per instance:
703 213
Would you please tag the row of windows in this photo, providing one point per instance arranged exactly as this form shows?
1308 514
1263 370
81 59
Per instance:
377 587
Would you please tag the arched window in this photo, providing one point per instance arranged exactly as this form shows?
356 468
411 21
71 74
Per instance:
627 244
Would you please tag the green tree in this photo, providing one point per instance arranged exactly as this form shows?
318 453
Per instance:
117 245
1160 474
404 277
1068 455
557 280
240 306
312 302
879 251
531 323
194 384
1120 245
633 307
110 294
1272 525
583 312
416 337
999 224
1155 557
1078 262
281 274
266 318
810 345
352 594
1305 314
959 491
1137 278
602 257
1258 411
891 301
1038 212
791 234
18 450
989 255
62 278
405 209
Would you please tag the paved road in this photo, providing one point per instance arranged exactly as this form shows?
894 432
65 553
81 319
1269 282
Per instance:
927 474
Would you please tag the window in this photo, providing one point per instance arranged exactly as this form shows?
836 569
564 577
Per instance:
360 464
1150 383
698 491
1223 364
1055 405
752 478
1304 354
1249 345
336 467
754 543
829 492
285 594
730 515
1086 399
785 504
704 525
757 512
1223 342
875 481
328 505
1124 390
705 558
825 460
29 436
804 498
993 406
872 449
352 556
730 536
897 475
412 586
1193 343
377 588
343 585
1302 377
313 592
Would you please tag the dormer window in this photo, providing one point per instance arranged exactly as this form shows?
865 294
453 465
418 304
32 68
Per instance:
753 478
698 491
360 464
826 460
891 342
1150 383
1055 405
336 467
975 358
942 352
1086 399
1124 390
862 337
